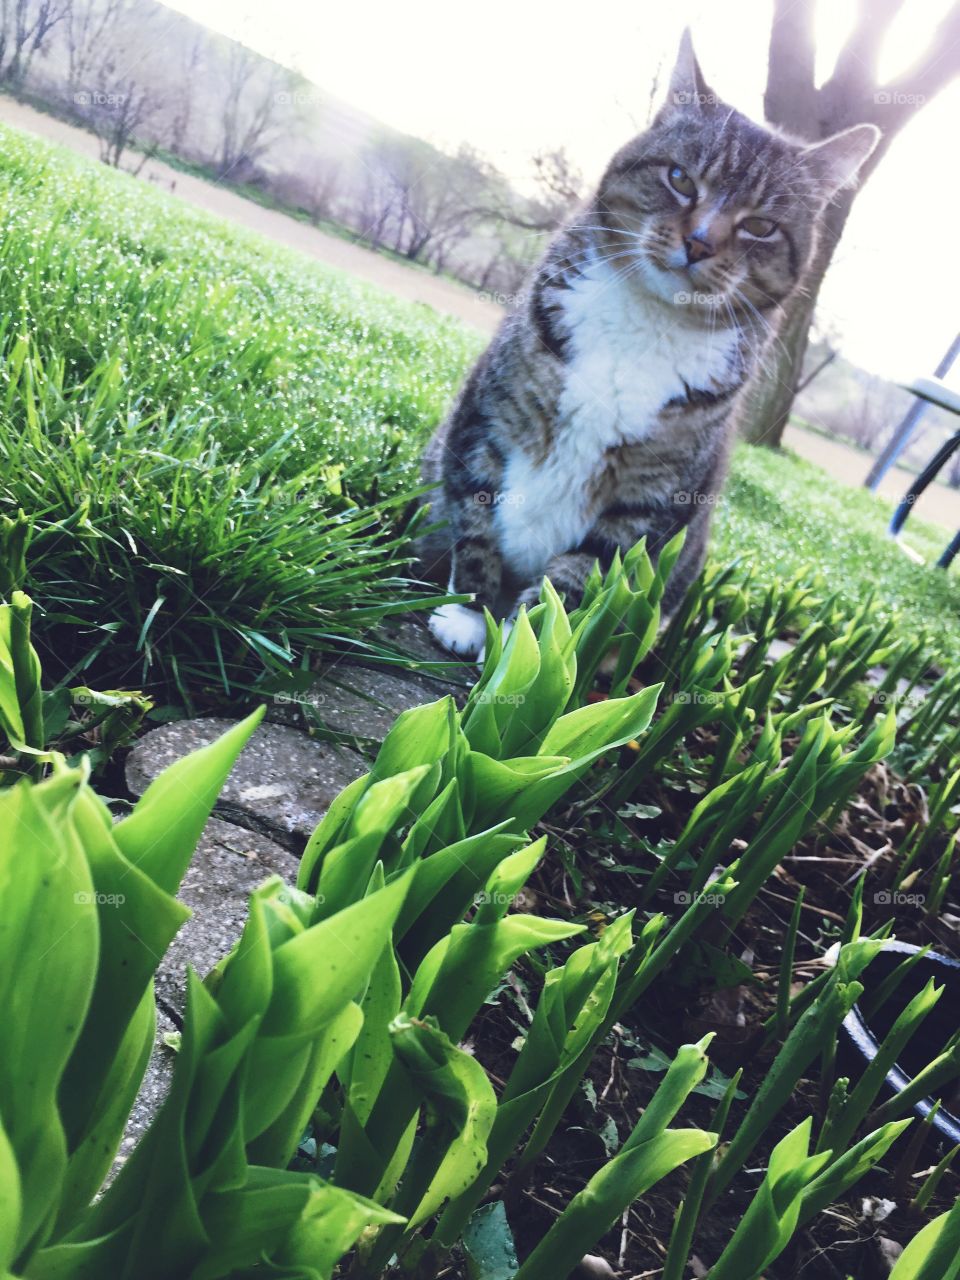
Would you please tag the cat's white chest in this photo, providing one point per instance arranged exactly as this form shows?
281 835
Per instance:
628 358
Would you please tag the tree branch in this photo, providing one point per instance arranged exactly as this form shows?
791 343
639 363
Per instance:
790 96
897 101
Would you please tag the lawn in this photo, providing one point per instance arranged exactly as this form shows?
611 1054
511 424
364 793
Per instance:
782 516
217 440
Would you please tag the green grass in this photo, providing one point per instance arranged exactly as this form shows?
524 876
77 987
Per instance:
782 515
217 439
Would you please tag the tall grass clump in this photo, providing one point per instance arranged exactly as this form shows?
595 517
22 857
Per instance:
215 441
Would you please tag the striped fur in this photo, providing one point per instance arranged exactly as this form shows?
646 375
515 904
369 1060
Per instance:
603 408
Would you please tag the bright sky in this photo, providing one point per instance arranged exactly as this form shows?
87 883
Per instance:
516 76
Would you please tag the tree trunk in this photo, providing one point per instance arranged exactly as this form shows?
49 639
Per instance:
768 401
853 94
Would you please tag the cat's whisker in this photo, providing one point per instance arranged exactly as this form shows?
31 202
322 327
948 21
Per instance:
590 258
772 338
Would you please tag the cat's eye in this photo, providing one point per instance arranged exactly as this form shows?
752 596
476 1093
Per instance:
761 228
681 182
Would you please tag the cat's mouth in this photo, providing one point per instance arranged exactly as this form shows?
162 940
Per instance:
681 285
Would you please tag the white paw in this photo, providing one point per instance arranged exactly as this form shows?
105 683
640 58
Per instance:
458 628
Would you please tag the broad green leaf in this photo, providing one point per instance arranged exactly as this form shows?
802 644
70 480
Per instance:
327 834
107 1114
847 1170
317 972
9 1203
601 726
364 1069
420 736
294 1075
934 1253
21 699
460 1108
48 957
595 1209
447 882
771 1218
453 985
137 922
488 1245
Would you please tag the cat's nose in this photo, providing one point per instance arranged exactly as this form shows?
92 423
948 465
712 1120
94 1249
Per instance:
698 248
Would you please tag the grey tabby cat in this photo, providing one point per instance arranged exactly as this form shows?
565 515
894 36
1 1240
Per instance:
603 408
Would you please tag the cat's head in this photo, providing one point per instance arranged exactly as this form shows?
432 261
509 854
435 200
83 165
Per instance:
709 210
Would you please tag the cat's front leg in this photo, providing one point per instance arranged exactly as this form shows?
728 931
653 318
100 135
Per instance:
617 529
568 573
476 570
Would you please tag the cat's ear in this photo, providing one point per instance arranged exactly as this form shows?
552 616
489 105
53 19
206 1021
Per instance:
688 89
837 160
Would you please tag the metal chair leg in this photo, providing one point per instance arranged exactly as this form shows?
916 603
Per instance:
946 560
925 478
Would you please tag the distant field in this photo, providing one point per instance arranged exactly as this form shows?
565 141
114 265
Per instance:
218 437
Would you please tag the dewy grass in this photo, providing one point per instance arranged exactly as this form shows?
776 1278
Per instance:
216 441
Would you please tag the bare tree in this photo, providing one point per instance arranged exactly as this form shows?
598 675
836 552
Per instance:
259 94
127 86
194 56
560 188
419 201
89 28
24 28
852 95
